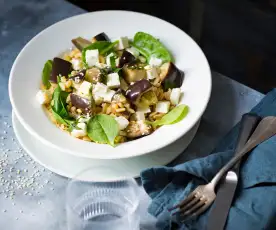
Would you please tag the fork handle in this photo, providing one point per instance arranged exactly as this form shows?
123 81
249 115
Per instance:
265 130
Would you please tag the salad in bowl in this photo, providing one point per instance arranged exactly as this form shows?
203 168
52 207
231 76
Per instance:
112 91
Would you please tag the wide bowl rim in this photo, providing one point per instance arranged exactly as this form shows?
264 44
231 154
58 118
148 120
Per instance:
138 152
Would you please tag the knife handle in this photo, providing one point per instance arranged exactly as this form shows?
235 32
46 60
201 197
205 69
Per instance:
249 123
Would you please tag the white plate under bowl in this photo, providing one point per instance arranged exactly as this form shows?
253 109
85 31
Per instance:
25 78
69 165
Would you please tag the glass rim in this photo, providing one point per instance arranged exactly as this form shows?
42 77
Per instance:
133 208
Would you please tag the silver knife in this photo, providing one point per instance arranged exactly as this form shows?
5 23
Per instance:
219 212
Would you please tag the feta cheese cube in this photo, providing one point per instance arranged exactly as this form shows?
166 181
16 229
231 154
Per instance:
144 109
162 107
76 63
155 61
123 43
152 73
175 96
82 126
83 120
99 89
113 80
107 97
92 57
84 88
140 116
133 51
122 122
101 92
100 65
78 133
43 97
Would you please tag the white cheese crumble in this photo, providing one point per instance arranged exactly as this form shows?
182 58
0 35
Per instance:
43 97
155 61
76 63
113 80
133 51
175 96
123 43
85 88
122 122
162 107
92 57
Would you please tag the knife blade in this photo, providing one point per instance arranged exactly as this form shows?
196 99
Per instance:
219 212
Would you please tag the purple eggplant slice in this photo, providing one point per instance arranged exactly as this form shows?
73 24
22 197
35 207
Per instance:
136 90
81 43
171 76
79 76
133 74
101 37
60 67
81 103
126 58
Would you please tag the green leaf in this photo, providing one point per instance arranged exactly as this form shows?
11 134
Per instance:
174 116
46 73
149 47
70 122
59 102
112 62
104 47
103 129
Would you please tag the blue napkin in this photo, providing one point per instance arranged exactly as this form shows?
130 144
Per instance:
254 205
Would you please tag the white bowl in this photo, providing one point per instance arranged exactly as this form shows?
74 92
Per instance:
25 78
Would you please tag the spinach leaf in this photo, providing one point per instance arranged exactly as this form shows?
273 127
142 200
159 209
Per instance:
46 73
174 116
104 47
59 102
103 129
70 122
149 47
112 62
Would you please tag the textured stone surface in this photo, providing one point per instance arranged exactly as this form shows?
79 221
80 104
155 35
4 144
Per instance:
41 205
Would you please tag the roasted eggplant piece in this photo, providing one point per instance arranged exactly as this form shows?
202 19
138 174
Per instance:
147 99
124 84
126 58
135 91
137 129
93 75
60 67
81 43
101 37
79 76
81 103
171 76
133 74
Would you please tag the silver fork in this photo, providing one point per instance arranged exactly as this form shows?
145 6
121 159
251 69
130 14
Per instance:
203 196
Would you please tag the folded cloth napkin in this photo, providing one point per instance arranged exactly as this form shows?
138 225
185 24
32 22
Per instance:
254 206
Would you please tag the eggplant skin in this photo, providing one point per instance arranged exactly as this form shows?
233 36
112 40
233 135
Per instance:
81 103
101 37
126 58
171 76
136 90
81 43
60 67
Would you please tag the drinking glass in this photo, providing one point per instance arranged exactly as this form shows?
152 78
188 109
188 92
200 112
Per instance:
93 203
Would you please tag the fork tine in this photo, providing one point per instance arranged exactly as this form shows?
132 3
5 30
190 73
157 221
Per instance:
194 208
185 201
188 205
200 210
